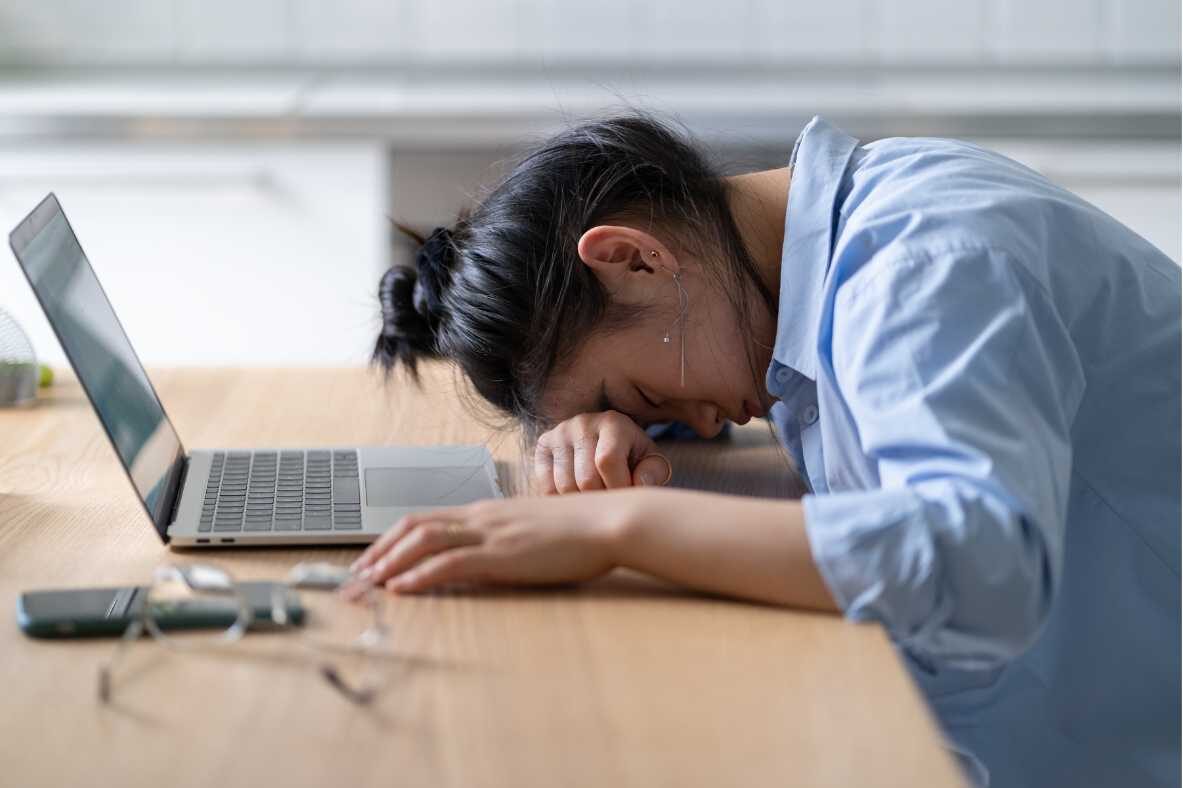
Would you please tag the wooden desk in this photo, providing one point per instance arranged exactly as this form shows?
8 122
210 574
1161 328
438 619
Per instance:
622 682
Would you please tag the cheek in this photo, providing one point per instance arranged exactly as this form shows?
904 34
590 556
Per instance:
724 370
566 396
725 360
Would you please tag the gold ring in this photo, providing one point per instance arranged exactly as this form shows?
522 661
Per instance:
455 530
669 467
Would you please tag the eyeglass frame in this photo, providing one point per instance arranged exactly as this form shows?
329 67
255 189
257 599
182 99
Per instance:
212 579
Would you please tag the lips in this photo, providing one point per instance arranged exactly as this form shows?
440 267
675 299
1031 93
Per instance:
751 410
748 411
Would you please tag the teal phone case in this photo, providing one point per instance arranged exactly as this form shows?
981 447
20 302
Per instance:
70 613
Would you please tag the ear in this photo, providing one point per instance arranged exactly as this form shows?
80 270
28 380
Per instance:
615 253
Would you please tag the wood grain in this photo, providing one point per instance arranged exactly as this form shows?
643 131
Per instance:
621 682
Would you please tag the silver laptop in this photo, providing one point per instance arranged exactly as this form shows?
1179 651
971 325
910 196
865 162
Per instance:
221 497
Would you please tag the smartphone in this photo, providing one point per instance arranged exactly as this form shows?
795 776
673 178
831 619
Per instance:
90 612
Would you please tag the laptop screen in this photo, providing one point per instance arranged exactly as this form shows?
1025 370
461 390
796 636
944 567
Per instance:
102 357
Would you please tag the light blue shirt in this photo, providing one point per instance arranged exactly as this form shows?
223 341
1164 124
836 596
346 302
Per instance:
978 376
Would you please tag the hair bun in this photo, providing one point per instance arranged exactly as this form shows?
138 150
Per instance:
433 262
412 304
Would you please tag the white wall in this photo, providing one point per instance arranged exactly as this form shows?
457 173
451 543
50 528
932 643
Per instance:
643 31
215 254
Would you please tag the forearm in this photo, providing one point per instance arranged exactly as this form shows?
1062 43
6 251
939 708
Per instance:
749 548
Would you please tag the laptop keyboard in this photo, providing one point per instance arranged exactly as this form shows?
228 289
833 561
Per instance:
316 490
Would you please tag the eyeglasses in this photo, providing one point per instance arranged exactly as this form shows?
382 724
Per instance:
216 612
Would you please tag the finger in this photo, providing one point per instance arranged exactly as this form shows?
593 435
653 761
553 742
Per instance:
425 540
653 470
640 449
383 542
563 470
612 461
400 528
362 569
544 476
587 475
464 564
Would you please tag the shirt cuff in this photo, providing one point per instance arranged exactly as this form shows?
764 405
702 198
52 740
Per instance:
874 552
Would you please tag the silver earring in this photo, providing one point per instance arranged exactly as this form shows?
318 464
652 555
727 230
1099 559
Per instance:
680 321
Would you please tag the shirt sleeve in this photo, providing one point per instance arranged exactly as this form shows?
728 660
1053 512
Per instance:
962 383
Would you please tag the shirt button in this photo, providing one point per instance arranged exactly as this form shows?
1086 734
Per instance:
809 414
783 374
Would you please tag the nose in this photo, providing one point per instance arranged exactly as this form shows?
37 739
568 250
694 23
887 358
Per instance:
704 419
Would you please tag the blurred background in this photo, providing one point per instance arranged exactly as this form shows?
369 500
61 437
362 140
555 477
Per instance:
229 166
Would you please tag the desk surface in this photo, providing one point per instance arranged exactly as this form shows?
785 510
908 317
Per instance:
620 682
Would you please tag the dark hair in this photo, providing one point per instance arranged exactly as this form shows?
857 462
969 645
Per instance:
504 294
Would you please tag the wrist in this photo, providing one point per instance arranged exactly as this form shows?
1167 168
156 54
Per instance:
626 520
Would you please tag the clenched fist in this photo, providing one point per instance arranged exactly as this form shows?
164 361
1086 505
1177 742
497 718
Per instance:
597 451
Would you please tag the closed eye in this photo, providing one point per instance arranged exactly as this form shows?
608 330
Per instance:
648 401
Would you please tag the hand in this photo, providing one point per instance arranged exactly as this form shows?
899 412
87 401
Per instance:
598 451
510 541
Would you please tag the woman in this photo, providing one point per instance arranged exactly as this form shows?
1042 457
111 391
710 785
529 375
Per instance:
976 372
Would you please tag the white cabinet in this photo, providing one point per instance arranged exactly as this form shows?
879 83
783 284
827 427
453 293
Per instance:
215 254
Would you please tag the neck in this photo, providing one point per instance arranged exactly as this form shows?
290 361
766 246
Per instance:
759 201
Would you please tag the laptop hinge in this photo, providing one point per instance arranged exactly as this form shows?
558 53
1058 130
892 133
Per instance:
172 512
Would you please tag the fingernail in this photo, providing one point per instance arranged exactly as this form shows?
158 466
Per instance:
355 565
647 479
350 591
366 573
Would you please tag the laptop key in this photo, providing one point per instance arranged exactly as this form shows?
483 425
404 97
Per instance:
346 490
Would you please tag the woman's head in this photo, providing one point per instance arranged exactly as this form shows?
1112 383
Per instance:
559 287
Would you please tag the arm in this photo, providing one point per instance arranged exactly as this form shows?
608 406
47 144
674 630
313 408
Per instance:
749 548
963 384
743 547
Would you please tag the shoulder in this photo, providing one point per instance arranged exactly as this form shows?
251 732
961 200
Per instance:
923 198
945 166
937 289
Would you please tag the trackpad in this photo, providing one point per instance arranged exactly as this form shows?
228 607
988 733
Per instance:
427 486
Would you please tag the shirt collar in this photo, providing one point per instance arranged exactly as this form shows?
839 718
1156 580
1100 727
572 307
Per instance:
818 163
